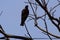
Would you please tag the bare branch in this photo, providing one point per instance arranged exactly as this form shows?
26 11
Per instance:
46 27
48 32
27 31
32 3
54 7
1 13
49 15
7 36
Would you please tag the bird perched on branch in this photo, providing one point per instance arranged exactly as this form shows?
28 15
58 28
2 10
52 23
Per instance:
24 15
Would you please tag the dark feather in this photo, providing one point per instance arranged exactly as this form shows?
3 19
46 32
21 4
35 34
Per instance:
24 15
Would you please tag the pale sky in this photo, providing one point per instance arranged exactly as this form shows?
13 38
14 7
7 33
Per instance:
11 17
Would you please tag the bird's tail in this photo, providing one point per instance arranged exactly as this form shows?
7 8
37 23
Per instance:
22 24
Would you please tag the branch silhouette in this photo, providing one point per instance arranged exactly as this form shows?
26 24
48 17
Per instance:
49 15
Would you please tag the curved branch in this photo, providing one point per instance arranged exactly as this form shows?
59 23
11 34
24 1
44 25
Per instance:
13 36
47 32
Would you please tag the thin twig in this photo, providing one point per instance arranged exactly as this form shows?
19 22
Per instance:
1 28
32 3
48 32
1 13
54 7
33 13
3 32
41 16
46 27
27 31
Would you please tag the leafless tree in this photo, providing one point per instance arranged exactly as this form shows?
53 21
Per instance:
48 13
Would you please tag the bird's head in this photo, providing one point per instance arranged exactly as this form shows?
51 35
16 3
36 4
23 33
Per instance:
26 6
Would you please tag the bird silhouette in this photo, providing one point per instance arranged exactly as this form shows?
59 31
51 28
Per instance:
24 15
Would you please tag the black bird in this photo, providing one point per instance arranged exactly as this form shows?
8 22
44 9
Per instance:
24 15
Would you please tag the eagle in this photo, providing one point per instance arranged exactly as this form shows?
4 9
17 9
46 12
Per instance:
24 15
